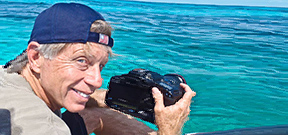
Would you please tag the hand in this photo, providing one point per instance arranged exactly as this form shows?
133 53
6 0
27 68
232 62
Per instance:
97 99
170 119
102 120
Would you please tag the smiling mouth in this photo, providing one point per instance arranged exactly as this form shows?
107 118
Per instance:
81 94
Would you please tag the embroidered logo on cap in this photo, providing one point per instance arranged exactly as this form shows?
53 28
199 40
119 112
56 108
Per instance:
104 39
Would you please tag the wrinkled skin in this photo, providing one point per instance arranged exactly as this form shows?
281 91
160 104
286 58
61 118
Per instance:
170 119
74 74
104 121
68 79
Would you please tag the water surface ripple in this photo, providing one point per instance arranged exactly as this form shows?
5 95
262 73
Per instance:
235 58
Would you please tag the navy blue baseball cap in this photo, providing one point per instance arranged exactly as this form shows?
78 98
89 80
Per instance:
68 23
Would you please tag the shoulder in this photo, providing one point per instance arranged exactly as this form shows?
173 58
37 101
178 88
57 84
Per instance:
29 114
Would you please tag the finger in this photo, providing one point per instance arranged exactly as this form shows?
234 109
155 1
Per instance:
188 92
158 97
187 97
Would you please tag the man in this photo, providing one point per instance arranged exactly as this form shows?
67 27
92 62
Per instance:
69 46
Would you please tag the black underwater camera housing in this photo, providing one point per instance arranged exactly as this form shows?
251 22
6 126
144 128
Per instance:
132 93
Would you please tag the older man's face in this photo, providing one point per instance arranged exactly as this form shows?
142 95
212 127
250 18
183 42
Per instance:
73 75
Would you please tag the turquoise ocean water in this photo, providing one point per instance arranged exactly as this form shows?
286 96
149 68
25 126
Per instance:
234 57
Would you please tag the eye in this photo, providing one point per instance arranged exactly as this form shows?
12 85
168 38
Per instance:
82 63
82 60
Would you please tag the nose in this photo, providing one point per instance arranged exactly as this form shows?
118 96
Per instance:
93 77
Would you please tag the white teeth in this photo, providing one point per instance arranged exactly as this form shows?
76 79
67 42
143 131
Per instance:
81 94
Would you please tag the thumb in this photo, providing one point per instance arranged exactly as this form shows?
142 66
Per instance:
158 97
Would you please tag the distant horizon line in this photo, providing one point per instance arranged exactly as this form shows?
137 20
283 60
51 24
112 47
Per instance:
209 4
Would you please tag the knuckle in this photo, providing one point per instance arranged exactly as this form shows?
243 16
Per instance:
182 107
190 92
158 110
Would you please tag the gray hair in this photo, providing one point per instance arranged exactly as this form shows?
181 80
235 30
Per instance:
50 51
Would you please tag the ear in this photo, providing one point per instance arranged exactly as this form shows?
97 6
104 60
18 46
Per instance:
34 57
